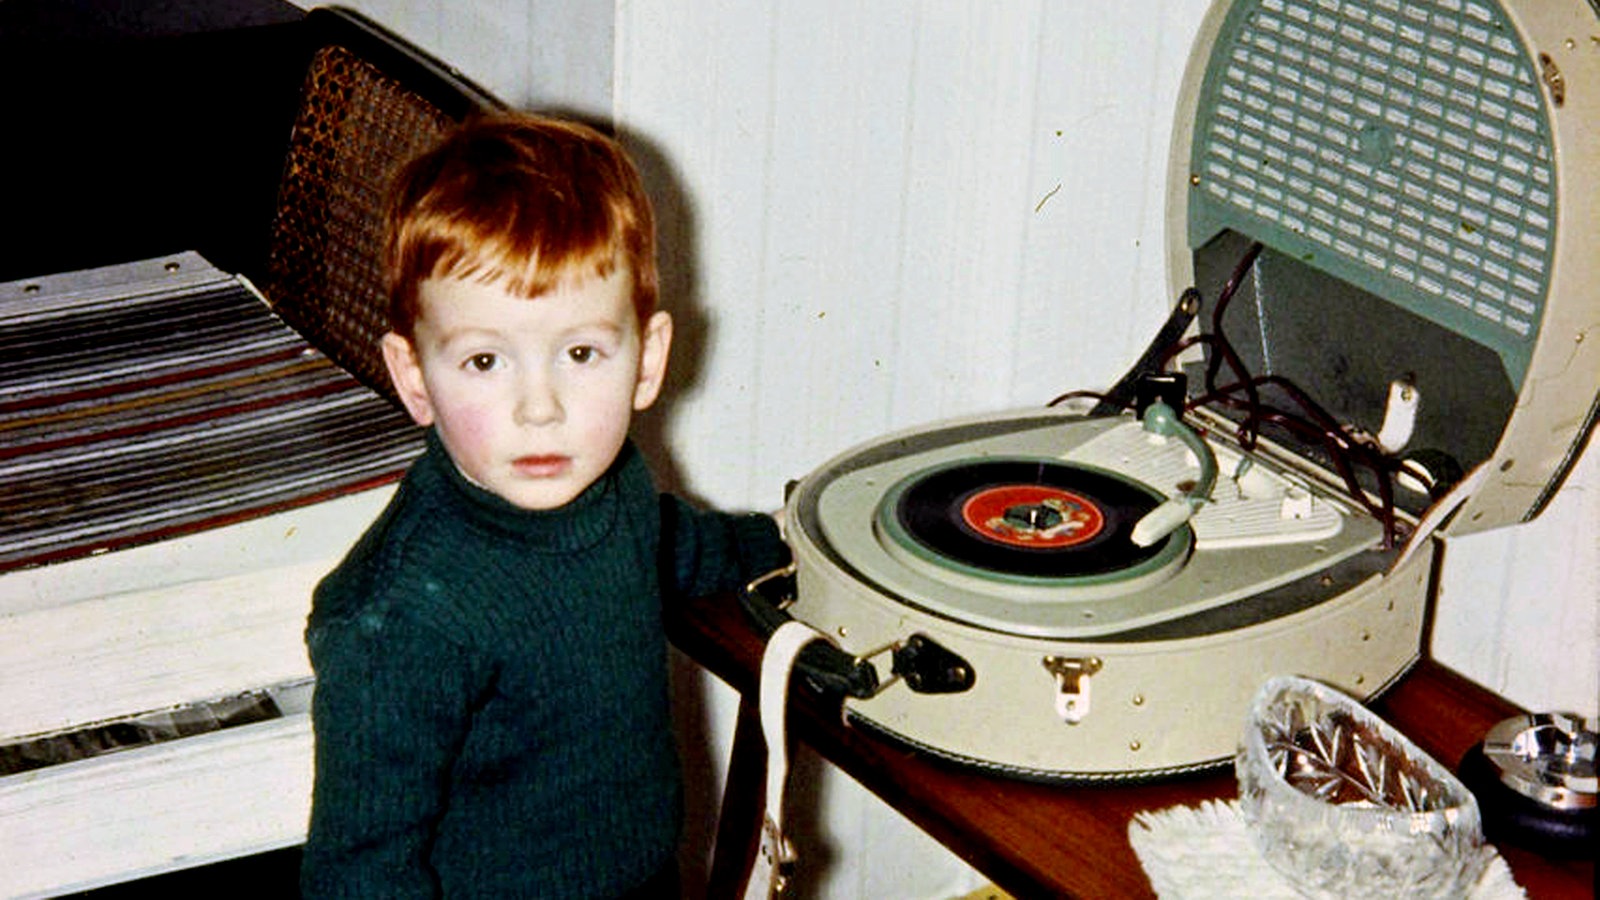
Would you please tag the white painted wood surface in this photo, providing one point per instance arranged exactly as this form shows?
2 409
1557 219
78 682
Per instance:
184 621
155 809
528 53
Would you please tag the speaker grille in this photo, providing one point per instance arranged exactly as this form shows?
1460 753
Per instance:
1401 146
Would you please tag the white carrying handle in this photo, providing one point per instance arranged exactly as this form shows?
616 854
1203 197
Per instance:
768 875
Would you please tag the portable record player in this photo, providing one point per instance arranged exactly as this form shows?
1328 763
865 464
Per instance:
1381 207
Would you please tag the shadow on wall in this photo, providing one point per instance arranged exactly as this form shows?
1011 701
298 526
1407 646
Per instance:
676 242
694 707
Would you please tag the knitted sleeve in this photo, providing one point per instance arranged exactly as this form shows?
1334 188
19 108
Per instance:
390 710
705 551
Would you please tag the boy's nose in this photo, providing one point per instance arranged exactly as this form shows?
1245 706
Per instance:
538 402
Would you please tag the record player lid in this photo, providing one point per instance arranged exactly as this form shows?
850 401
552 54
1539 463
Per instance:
1417 174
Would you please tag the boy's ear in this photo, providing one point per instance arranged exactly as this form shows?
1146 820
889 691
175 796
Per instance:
405 371
655 347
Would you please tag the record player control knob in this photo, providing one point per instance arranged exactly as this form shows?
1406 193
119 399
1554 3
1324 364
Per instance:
1255 482
1297 504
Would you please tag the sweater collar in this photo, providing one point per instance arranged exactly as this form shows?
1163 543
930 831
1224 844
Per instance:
582 522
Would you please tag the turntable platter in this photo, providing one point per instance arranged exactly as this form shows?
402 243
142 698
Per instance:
1024 521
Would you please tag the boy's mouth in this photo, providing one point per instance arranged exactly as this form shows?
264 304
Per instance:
546 466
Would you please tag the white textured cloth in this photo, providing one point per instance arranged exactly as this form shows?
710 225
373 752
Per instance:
1192 853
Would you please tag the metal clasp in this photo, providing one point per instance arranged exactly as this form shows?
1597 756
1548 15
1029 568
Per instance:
758 587
865 659
1072 685
777 855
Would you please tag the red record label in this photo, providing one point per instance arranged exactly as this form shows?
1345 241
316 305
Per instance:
1032 515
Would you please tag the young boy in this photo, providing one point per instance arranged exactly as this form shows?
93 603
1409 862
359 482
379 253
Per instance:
491 703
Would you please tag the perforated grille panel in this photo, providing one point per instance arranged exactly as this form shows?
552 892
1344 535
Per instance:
1400 145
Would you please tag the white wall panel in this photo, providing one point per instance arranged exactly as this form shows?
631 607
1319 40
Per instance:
1519 608
529 54
962 209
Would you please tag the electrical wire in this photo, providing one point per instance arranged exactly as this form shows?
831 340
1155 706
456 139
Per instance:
1310 422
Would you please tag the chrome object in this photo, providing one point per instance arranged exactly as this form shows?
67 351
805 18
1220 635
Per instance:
1546 757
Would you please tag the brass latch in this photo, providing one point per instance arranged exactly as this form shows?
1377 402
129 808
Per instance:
1072 685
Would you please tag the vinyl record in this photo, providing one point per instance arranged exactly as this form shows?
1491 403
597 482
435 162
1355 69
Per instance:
1024 518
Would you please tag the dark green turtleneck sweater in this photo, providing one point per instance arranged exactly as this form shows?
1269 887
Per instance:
491 704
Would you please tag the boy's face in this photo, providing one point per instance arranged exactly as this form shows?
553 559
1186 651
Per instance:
532 397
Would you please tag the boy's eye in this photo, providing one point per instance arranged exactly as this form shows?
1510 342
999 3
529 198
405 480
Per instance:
481 362
581 354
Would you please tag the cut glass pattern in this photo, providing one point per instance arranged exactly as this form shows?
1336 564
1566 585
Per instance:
1347 807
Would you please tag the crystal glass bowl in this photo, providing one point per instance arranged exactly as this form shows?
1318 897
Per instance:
1345 806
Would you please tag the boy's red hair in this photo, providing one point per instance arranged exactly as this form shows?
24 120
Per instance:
520 199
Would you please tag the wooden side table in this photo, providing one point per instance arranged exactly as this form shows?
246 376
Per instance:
1039 840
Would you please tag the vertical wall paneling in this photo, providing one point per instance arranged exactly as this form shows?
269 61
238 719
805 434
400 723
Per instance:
1105 92
1519 608
964 202
529 54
